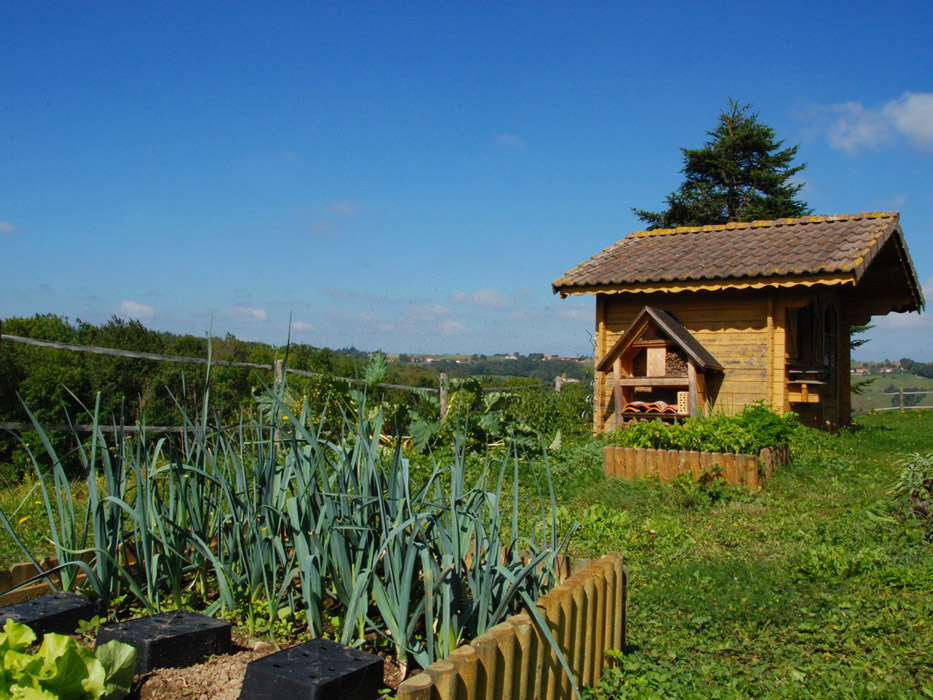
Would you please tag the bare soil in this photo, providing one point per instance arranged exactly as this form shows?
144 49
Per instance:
220 677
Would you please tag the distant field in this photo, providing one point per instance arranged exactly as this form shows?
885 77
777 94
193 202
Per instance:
874 395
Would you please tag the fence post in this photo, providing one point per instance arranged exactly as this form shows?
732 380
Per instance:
902 398
279 369
443 386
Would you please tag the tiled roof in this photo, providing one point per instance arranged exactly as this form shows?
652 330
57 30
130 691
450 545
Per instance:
809 245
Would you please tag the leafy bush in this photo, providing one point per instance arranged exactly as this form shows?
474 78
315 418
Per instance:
62 669
835 564
756 427
914 486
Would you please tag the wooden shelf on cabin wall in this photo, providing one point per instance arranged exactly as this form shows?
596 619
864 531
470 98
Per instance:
803 384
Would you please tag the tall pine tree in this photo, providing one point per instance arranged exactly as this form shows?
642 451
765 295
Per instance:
742 173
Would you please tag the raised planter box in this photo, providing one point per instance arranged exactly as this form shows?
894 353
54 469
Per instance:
317 670
58 612
172 639
750 471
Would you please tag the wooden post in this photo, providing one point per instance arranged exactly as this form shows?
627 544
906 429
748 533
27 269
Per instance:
565 628
727 462
549 607
589 641
416 688
664 465
693 459
770 353
609 460
902 398
523 687
617 389
279 372
751 472
487 649
444 676
640 456
599 629
651 462
692 388
575 652
443 395
466 661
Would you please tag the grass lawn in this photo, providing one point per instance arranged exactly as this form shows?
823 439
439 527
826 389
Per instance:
815 587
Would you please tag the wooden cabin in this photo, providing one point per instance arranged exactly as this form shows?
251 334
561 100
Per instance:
707 318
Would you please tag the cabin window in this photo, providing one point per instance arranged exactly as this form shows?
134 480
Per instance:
803 334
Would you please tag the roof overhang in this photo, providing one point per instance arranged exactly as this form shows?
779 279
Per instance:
674 287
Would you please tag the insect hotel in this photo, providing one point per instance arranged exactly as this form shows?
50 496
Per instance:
711 318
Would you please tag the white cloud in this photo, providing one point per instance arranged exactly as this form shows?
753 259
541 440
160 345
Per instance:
302 326
452 328
909 321
245 314
425 313
576 313
136 310
851 126
7 227
856 127
912 116
486 299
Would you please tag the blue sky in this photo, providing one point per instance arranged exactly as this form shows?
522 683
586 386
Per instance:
413 176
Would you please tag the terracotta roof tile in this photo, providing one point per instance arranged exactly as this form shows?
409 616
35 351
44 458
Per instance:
802 246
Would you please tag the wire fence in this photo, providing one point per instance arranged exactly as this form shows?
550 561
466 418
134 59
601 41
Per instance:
277 367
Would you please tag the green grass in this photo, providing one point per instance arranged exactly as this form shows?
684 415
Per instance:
23 504
816 586
813 587
873 396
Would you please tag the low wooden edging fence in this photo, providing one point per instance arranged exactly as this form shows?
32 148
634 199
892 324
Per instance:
20 573
737 469
586 614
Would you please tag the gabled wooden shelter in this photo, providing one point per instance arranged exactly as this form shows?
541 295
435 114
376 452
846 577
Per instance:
756 310
657 353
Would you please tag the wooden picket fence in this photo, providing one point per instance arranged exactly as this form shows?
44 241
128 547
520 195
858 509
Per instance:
586 614
750 471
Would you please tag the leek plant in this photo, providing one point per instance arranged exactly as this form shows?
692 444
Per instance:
292 515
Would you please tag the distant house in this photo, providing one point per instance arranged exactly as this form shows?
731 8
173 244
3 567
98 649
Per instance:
716 317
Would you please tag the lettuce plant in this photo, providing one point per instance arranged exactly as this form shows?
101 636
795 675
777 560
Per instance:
62 669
